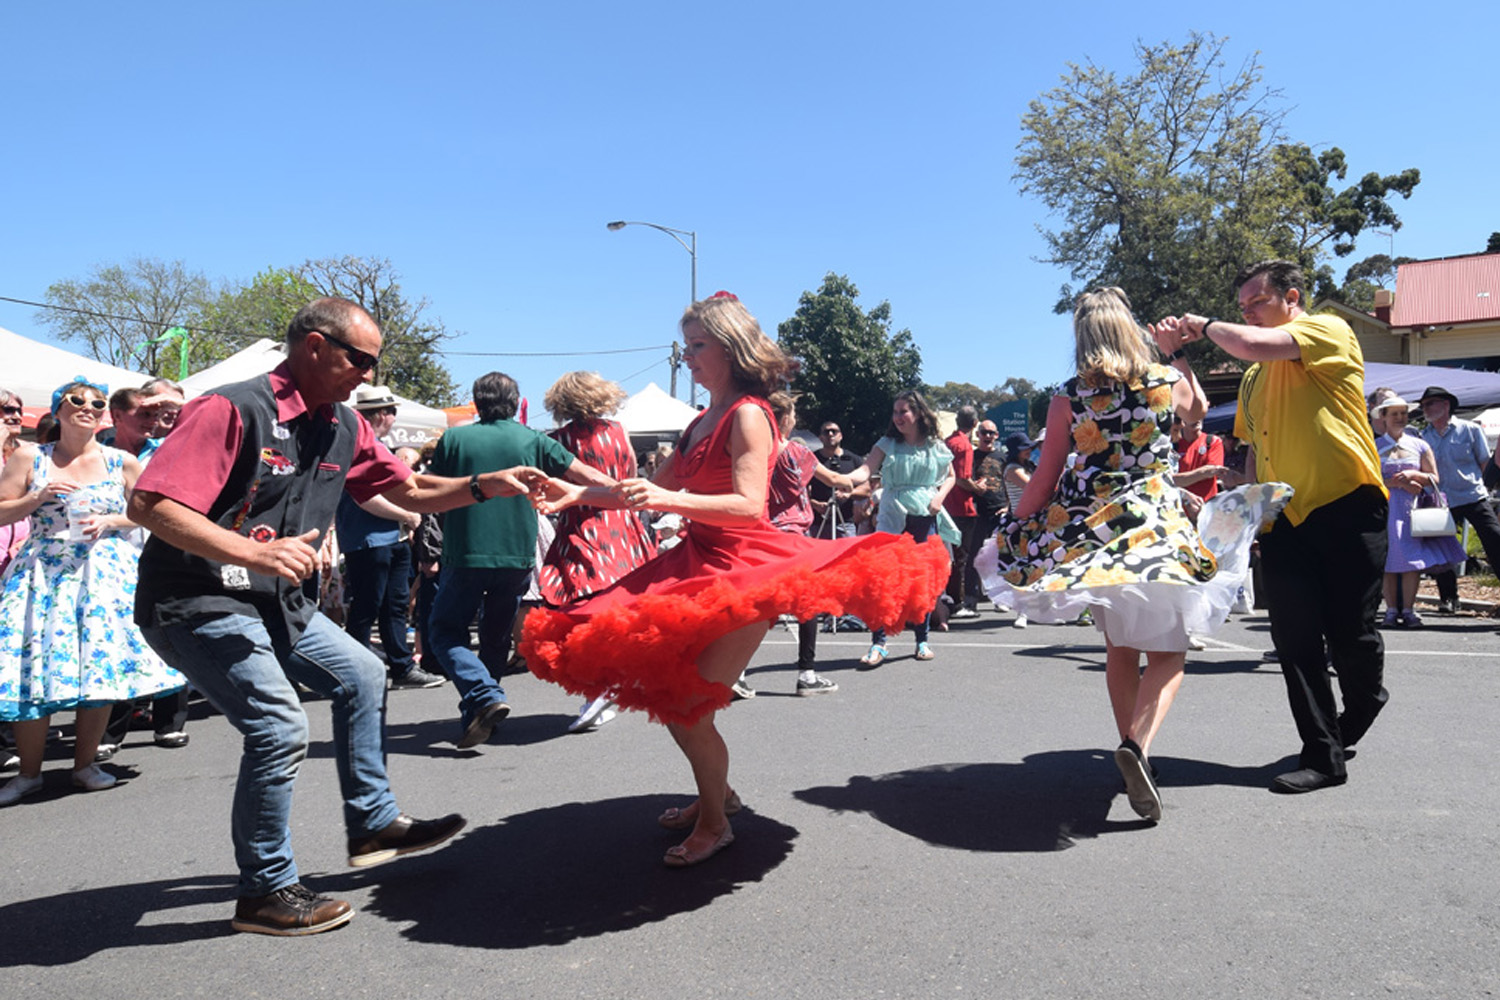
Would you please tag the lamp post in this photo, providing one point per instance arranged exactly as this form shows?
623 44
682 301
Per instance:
691 246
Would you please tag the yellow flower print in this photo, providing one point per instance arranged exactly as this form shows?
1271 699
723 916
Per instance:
1154 488
1088 439
1100 576
1142 434
1103 515
1114 462
1102 403
1034 574
1057 516
1159 397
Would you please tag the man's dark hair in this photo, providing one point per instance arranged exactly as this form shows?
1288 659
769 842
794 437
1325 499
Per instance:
1281 275
496 397
124 400
966 417
329 315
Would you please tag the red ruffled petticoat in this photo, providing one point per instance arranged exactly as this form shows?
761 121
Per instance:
639 641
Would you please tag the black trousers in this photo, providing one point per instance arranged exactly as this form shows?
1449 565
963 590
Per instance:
1480 516
960 590
1322 581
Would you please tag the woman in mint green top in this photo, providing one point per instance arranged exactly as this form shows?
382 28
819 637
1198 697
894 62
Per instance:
916 473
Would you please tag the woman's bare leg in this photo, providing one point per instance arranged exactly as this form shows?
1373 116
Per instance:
31 743
722 661
1122 675
1158 688
88 728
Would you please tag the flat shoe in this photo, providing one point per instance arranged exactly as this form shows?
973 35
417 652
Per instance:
924 651
1139 788
681 819
875 657
681 857
1306 779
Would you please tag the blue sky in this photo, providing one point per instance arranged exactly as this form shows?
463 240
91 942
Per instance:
483 147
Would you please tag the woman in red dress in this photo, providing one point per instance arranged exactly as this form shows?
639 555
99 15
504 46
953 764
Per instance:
672 636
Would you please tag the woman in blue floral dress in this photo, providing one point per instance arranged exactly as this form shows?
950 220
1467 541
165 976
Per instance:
1100 527
67 635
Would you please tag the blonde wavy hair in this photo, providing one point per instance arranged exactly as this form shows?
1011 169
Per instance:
1108 343
583 396
756 363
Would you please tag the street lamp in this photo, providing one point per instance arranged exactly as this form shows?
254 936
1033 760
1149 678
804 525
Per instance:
691 246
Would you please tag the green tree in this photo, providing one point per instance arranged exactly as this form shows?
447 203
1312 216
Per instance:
852 364
1493 246
118 308
1169 180
412 340
1367 276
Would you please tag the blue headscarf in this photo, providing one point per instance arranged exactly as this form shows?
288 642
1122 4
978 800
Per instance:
62 390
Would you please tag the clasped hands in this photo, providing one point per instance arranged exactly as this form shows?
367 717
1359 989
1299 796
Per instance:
550 495
1172 332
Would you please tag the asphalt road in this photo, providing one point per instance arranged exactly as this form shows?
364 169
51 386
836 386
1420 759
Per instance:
944 829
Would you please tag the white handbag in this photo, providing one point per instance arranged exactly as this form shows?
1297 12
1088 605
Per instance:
1434 520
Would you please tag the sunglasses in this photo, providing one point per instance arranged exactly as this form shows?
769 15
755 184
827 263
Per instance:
81 401
363 360
990 434
10 411
830 430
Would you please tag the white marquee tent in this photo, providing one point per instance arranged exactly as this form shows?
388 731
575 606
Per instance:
34 370
415 424
652 412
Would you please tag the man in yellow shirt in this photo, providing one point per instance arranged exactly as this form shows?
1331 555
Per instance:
1302 410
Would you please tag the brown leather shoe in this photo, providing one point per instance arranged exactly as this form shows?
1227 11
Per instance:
291 911
483 724
403 835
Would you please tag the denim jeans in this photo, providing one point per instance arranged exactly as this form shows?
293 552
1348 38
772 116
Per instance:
247 671
460 593
378 580
919 527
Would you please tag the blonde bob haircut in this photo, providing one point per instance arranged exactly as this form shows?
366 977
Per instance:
1108 343
756 364
583 396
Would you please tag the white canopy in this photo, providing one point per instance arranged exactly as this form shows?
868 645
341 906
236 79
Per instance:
652 411
415 424
34 370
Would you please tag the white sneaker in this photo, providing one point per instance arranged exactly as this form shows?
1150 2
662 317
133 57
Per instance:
93 778
8 760
1020 622
18 788
1196 643
592 713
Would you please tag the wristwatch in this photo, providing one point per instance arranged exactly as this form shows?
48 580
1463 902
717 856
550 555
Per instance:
479 496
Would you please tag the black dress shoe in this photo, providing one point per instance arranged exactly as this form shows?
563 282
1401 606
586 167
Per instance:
1305 780
403 835
291 911
483 724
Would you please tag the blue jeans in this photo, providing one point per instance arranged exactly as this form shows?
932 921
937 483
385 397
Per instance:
460 593
378 580
247 671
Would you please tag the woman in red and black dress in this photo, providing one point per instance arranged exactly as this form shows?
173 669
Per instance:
594 546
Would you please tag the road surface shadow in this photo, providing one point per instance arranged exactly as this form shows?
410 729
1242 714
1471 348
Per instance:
1047 802
77 925
554 875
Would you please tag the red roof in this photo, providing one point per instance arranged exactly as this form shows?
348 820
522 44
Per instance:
1447 291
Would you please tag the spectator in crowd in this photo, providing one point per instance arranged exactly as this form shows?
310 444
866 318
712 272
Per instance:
235 500
1015 476
374 537
68 641
134 414
593 546
789 505
959 503
916 471
426 555
165 399
1461 453
1200 463
12 413
1407 464
989 473
833 510
489 550
1302 408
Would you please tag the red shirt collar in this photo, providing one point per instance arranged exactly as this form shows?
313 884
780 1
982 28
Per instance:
289 402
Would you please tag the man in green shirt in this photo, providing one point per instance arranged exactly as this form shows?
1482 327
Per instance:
489 549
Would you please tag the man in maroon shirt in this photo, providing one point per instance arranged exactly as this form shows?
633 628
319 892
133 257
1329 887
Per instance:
959 504
235 500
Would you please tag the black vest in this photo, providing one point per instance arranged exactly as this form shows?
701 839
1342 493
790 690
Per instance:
286 480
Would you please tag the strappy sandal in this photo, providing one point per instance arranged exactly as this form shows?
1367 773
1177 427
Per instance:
681 819
924 651
681 857
875 657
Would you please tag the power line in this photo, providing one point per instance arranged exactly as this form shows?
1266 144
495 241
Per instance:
244 336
